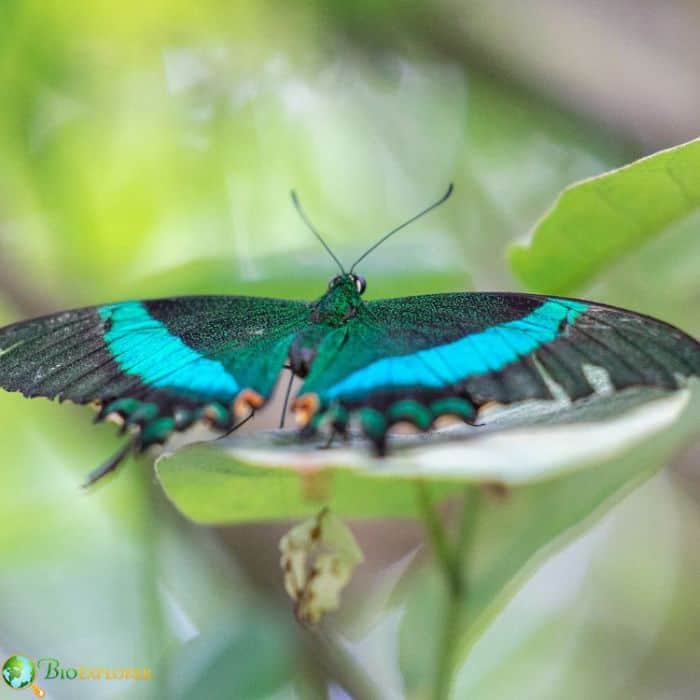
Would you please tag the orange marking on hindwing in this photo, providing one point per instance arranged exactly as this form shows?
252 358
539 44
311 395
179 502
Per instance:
247 400
305 407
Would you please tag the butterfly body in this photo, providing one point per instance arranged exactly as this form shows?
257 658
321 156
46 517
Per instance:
159 366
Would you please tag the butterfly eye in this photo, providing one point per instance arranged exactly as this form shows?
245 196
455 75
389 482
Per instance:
332 283
360 283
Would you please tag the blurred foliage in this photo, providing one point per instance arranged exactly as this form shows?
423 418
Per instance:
149 150
573 473
595 222
605 602
531 519
132 152
218 663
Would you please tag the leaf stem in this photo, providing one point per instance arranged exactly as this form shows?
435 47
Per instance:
454 565
339 665
467 528
436 535
447 647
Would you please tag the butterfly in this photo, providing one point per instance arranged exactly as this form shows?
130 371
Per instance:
159 366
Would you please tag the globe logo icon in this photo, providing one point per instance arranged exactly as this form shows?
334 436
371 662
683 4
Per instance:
19 672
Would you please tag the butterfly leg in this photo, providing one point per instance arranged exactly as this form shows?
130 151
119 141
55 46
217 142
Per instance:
329 442
110 465
286 399
238 425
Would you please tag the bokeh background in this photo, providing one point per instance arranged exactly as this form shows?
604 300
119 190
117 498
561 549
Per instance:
148 149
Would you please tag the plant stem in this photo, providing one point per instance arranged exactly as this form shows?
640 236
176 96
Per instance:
467 528
437 536
447 647
339 665
454 566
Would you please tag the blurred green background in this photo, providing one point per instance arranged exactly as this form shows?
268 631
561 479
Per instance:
149 148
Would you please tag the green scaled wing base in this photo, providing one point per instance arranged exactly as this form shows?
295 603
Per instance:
158 366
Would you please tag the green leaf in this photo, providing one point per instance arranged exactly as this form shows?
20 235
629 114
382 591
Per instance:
596 221
248 655
274 476
518 529
270 480
598 612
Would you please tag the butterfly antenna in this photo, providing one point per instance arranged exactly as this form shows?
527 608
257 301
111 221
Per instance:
297 206
403 225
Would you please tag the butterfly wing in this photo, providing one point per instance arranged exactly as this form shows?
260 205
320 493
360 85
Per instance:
158 364
416 358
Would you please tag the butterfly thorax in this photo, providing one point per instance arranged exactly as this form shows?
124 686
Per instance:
340 302
333 310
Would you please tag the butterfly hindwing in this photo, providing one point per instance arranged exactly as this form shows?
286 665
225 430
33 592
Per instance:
160 364
416 358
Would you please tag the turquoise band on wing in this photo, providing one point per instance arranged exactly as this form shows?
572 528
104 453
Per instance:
478 353
142 346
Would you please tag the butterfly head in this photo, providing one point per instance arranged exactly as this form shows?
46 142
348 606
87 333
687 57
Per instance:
350 280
